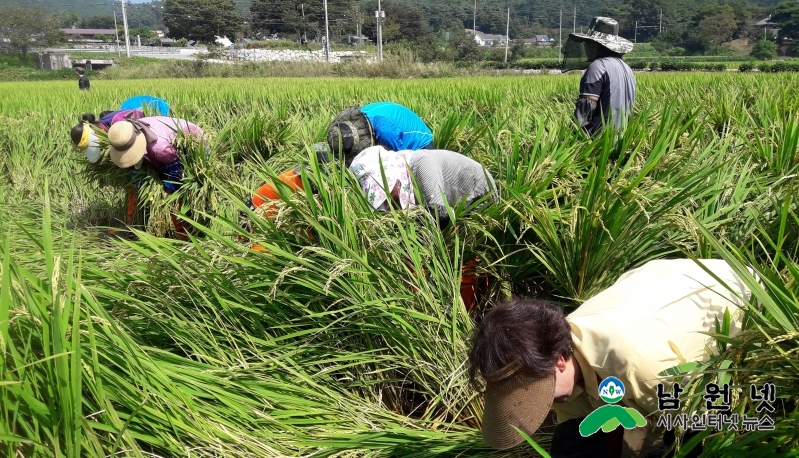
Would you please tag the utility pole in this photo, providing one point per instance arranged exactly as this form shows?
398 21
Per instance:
358 24
116 32
379 14
635 40
327 34
302 7
474 19
574 26
125 25
660 26
560 34
507 36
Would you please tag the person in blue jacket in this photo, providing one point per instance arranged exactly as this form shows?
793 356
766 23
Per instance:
388 124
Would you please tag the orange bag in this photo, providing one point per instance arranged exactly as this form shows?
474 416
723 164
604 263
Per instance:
268 192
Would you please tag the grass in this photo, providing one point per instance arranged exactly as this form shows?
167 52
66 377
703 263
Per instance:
348 337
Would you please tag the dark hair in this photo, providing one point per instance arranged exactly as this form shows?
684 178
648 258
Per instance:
79 70
88 117
76 133
530 332
104 113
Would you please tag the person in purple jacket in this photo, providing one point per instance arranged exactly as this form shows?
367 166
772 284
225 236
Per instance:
107 118
150 141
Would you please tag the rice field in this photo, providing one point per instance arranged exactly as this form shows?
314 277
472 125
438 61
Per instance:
348 336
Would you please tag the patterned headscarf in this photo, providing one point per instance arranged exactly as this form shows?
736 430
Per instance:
366 168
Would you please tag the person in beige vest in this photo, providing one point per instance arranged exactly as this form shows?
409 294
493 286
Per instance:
535 359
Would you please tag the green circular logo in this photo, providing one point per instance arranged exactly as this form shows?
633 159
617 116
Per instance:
611 390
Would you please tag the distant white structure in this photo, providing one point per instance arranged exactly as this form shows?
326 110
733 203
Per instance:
223 41
486 39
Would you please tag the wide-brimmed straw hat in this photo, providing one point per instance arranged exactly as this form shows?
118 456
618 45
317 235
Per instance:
128 145
605 31
515 398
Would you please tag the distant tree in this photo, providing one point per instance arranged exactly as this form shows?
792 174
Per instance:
787 16
426 48
143 32
147 36
645 12
402 22
67 19
149 15
764 50
267 15
298 18
412 22
105 21
712 25
668 40
516 51
202 19
717 29
466 48
27 27
302 18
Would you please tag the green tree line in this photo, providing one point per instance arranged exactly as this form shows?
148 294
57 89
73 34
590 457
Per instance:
674 27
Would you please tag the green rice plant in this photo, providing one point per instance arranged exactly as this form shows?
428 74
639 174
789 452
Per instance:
114 395
776 141
763 351
620 215
347 336
257 134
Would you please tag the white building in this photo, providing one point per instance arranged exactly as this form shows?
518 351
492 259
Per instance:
488 40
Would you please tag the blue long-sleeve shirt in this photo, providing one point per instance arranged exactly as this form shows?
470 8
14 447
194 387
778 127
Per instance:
396 127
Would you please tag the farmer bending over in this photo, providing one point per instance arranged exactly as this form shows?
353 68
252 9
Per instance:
534 358
388 124
150 141
84 138
445 178
106 119
391 125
